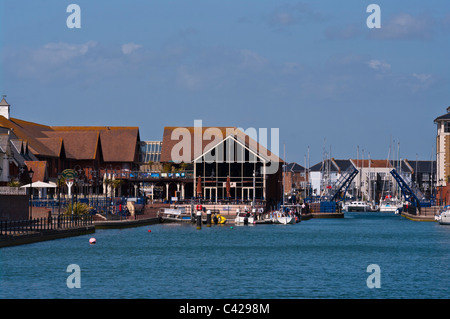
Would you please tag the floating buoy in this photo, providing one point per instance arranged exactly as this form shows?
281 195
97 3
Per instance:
231 227
149 231
92 241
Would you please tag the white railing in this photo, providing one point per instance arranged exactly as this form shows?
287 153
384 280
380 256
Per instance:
6 190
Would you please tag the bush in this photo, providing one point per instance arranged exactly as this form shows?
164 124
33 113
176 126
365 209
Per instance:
78 209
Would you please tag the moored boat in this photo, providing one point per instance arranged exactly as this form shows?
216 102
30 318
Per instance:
444 217
174 215
280 217
391 205
219 219
358 206
244 218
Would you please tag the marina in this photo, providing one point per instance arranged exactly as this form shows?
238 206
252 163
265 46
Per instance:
225 150
319 258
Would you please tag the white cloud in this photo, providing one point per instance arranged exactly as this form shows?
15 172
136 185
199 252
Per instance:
405 26
291 14
61 52
252 59
129 48
379 65
422 77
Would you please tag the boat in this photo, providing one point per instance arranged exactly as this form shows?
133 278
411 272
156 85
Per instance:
358 206
389 205
444 217
174 215
244 218
219 219
280 217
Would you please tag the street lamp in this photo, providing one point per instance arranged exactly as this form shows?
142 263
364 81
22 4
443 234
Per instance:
94 179
30 175
58 184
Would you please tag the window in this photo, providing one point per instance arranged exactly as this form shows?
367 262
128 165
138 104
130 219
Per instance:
446 127
150 151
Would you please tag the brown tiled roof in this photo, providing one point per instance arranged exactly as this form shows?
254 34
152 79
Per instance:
78 145
169 142
55 145
373 163
118 143
28 131
39 169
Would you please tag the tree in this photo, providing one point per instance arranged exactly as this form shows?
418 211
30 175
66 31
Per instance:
183 166
114 183
14 184
78 209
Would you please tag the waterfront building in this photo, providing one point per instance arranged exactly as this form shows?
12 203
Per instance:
14 156
443 156
227 165
150 156
295 178
326 173
374 179
422 176
93 151
443 149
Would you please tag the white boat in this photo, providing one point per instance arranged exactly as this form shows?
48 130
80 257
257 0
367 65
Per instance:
391 206
444 217
244 218
358 206
280 217
174 215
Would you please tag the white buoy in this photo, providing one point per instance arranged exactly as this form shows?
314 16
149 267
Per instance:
92 241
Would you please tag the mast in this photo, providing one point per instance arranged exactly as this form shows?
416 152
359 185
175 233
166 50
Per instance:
308 172
431 173
284 175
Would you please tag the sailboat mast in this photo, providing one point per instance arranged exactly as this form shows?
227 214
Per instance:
284 175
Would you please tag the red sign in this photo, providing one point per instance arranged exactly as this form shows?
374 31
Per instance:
199 207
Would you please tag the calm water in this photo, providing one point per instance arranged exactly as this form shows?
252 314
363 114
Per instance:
318 258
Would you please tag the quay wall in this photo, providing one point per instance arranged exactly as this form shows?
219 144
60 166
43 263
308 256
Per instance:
6 241
126 223
426 214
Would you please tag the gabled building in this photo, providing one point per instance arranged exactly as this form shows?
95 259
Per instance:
227 164
295 178
104 149
374 179
326 173
423 176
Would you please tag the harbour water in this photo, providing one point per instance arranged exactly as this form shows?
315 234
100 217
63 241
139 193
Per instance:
318 258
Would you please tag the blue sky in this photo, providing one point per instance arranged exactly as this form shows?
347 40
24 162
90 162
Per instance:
313 69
